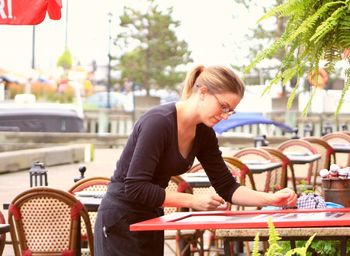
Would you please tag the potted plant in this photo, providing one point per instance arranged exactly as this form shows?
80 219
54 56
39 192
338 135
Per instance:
316 30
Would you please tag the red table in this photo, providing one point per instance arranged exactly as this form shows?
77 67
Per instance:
327 223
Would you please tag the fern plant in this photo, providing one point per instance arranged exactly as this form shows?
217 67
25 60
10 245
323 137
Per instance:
275 249
316 30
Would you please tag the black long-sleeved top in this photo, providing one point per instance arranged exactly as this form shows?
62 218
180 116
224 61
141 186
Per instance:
151 156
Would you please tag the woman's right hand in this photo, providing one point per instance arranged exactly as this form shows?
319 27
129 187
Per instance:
207 202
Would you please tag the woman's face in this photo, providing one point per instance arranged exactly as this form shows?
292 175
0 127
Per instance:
216 107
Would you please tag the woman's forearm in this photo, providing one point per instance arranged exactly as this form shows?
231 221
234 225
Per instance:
247 197
177 199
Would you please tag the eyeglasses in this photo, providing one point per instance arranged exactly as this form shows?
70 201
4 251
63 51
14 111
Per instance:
224 109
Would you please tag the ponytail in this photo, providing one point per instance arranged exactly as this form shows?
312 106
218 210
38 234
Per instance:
190 81
218 79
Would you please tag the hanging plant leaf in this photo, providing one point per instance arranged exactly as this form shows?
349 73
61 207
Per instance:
315 31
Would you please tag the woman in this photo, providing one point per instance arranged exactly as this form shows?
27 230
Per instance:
165 142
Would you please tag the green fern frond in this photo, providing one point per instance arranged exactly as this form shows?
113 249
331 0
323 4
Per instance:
316 30
328 24
292 96
309 241
301 251
274 81
308 104
268 53
331 55
344 91
294 92
256 246
281 10
273 234
310 22
288 74
289 59
344 32
274 248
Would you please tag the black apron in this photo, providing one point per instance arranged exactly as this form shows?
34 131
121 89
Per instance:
112 236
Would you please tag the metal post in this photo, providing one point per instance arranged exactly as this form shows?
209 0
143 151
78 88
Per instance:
260 141
308 131
66 32
295 133
327 128
109 82
33 48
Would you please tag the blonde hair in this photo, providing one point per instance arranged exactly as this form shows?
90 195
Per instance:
218 79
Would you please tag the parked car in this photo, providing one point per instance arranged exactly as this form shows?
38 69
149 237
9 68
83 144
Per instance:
41 117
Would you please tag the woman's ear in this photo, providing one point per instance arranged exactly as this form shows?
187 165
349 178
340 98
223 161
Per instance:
203 90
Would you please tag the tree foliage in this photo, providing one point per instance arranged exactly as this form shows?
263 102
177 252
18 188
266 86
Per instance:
153 51
316 30
65 60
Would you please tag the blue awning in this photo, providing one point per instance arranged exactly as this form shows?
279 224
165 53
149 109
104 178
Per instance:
242 118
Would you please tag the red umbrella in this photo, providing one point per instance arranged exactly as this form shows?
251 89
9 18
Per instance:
28 12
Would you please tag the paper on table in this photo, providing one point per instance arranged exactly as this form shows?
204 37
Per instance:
90 193
253 161
297 153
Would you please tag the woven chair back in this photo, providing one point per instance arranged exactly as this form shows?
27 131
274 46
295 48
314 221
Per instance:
45 221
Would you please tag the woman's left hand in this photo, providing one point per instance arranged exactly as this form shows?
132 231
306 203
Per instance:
285 197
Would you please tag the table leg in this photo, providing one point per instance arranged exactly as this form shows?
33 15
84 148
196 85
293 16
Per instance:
343 241
292 244
227 248
315 175
293 178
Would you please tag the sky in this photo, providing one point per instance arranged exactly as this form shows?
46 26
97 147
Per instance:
214 30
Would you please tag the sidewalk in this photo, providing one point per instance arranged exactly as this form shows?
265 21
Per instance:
61 177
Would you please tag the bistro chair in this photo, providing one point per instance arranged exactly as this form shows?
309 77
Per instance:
242 174
279 177
239 170
324 149
93 185
197 168
256 156
300 147
339 138
346 132
45 221
186 241
2 236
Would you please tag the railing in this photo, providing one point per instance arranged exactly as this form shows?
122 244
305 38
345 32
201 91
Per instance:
314 124
121 123
108 121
